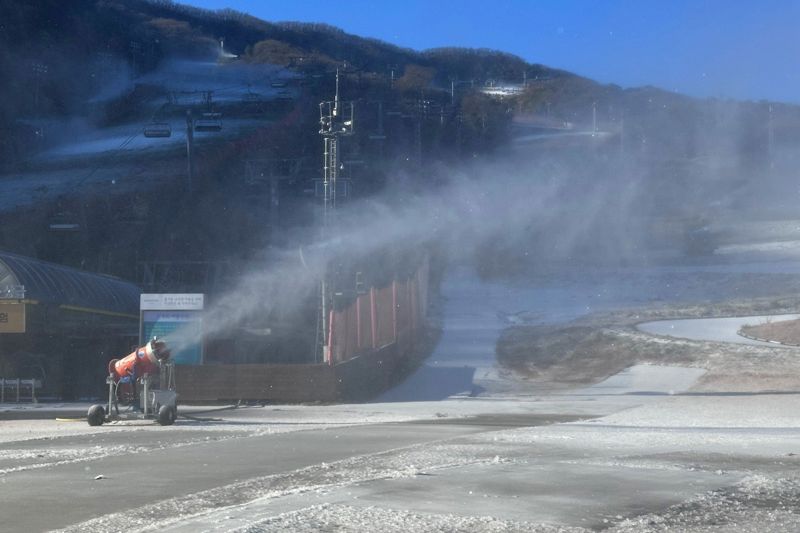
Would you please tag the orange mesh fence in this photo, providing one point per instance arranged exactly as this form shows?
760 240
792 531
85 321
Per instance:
380 317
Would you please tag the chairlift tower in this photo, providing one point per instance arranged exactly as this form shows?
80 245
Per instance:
336 121
39 73
770 138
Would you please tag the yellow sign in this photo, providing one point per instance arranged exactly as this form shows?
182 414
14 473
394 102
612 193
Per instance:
12 317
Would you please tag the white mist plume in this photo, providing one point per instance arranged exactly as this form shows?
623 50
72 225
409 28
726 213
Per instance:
494 201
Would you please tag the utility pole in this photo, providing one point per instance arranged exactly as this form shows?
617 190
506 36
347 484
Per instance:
39 72
380 135
770 138
189 149
104 60
135 48
418 138
336 121
594 119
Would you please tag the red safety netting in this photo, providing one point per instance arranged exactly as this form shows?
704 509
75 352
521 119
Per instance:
380 317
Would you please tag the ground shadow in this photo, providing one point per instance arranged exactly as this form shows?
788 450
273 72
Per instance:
433 383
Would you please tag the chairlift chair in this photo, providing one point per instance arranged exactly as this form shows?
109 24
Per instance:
250 97
158 130
209 122
64 221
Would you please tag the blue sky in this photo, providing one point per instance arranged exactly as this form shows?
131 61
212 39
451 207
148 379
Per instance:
729 49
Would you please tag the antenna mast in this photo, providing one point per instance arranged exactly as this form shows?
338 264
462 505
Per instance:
336 121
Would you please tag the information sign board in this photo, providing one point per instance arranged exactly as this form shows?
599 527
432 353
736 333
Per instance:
174 315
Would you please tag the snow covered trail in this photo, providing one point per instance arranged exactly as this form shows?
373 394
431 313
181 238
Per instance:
41 444
567 477
173 481
711 329
364 471
475 312
482 452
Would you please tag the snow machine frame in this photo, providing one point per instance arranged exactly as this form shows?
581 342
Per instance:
157 400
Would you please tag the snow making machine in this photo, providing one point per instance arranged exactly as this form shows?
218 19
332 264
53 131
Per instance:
144 381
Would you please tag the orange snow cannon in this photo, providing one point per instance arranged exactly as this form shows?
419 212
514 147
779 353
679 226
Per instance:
144 360
146 377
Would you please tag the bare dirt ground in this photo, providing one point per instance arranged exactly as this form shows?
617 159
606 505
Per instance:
785 332
600 345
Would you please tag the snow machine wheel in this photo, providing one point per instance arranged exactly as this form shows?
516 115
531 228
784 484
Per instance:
96 415
167 415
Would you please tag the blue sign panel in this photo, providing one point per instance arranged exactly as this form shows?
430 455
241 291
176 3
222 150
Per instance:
163 323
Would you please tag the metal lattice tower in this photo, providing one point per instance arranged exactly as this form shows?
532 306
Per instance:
336 121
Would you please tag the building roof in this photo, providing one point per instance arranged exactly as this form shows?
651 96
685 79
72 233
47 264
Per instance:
60 285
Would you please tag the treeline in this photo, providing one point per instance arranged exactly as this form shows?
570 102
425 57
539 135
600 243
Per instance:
56 56
481 64
659 124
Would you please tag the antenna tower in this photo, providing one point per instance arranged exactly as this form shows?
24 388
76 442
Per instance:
336 121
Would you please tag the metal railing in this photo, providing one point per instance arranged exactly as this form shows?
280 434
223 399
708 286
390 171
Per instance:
17 386
12 292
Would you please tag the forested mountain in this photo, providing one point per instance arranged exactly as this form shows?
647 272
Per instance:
55 56
90 66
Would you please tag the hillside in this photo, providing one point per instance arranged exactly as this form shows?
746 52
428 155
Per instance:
57 56
85 78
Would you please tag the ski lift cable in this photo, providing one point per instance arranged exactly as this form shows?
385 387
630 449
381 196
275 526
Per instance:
140 130
231 88
158 111
92 172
